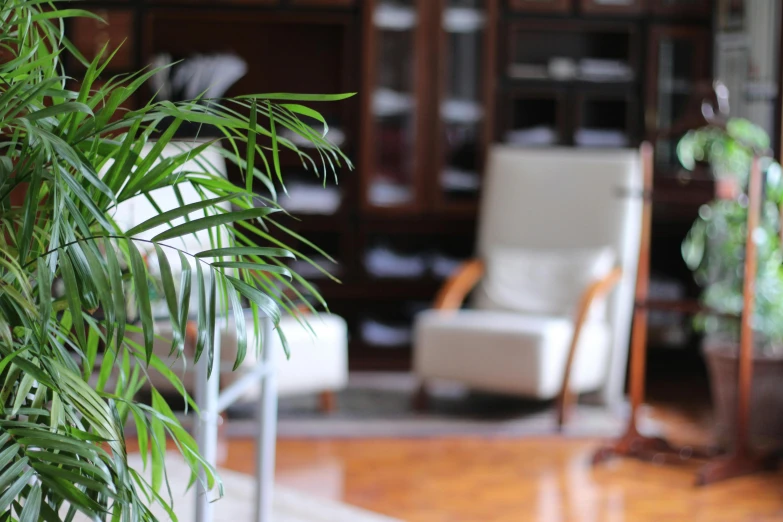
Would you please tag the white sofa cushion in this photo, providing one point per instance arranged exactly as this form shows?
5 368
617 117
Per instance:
542 281
509 352
319 359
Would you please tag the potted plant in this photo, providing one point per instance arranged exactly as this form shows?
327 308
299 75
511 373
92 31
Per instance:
714 250
68 157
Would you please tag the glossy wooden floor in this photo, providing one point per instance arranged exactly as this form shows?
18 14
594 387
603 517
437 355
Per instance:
521 480
541 480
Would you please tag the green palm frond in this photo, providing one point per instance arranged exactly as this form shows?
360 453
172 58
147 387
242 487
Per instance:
73 353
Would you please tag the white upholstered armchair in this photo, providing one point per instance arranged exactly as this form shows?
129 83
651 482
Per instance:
552 285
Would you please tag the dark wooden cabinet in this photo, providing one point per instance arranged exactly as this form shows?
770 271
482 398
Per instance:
602 114
535 117
427 84
747 50
542 6
117 34
428 90
463 107
681 7
438 82
677 60
396 71
571 82
613 7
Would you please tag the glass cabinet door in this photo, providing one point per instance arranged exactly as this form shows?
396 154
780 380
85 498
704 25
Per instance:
747 59
678 62
463 107
391 85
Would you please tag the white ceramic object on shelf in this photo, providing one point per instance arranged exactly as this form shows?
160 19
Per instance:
562 68
528 71
394 18
334 135
384 193
599 70
442 265
538 136
461 111
460 180
387 102
311 198
463 20
384 262
308 271
610 138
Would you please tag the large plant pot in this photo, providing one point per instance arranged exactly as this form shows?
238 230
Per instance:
766 400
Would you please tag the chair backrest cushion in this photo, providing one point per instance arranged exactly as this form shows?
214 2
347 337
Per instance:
556 198
542 281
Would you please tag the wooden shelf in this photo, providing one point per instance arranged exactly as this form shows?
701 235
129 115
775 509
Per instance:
538 83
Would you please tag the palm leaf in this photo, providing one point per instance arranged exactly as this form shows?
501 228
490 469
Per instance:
76 322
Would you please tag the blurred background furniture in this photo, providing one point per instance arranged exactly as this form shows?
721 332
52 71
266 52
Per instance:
320 365
439 81
318 344
540 310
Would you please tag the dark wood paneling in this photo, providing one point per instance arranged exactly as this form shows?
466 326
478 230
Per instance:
90 36
541 6
613 7
681 7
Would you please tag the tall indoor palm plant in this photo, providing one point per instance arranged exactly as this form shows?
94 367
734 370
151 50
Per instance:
69 365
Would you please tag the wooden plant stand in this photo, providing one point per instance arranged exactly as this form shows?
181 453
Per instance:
742 460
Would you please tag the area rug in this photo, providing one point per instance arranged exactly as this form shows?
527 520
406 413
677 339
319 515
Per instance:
237 502
378 405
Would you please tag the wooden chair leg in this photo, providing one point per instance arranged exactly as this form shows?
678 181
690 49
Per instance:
564 407
421 400
327 401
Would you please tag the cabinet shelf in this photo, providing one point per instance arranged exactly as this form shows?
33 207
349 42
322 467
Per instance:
625 85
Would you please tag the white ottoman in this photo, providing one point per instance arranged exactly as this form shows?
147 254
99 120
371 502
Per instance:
318 362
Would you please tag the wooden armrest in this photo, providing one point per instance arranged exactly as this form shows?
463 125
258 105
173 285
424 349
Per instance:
594 291
459 285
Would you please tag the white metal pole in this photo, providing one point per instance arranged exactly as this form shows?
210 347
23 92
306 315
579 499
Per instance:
207 390
267 430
